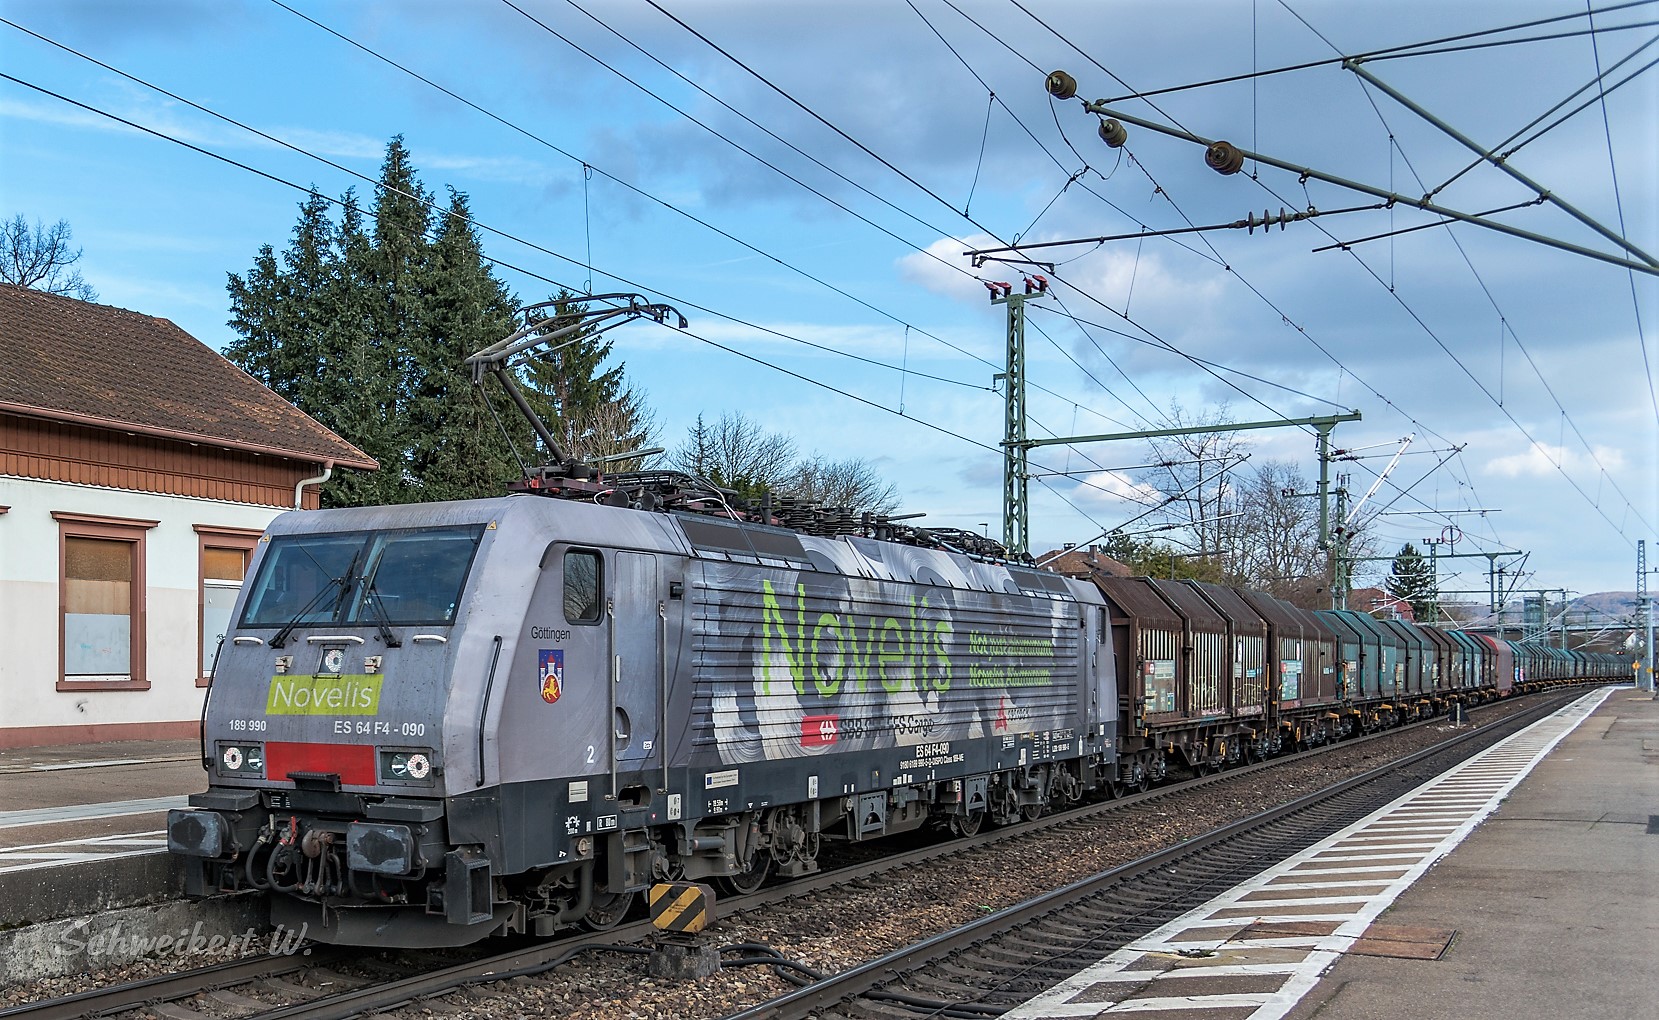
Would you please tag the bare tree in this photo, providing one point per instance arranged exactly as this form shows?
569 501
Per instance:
1277 531
736 452
623 425
1194 474
40 258
850 483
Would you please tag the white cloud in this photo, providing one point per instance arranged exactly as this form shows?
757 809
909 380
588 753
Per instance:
1544 460
1112 487
1144 284
932 268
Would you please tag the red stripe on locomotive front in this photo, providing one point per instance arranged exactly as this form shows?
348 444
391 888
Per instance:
353 763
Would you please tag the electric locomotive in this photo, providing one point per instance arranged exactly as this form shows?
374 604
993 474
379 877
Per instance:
434 722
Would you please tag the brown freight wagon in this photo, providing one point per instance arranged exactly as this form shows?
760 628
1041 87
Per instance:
1175 651
1300 708
1247 661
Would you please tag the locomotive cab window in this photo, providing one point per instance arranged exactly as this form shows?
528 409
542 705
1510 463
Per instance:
404 577
582 589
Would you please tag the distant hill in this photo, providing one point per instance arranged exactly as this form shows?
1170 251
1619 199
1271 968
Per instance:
1620 604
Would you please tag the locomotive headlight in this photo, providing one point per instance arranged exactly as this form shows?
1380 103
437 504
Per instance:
411 766
242 759
406 766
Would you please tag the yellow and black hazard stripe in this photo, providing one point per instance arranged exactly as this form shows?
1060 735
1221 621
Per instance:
681 906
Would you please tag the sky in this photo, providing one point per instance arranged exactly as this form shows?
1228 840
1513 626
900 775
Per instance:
802 179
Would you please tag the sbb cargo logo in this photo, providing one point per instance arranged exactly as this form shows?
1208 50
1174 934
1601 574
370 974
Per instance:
297 694
820 730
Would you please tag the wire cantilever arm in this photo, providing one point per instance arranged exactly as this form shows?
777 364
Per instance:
1423 203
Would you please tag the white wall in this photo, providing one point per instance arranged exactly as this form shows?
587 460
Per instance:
29 603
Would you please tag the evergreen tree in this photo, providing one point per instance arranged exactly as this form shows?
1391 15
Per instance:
280 311
366 325
590 409
1411 579
353 386
456 449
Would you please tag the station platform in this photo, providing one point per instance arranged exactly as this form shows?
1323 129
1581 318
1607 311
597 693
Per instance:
82 827
1524 883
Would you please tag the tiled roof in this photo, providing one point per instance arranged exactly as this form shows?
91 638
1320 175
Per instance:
1085 563
107 367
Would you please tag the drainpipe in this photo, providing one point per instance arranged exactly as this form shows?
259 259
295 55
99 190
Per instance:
299 490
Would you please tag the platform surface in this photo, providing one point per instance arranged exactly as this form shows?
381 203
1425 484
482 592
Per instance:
1524 883
90 792
82 827
1555 898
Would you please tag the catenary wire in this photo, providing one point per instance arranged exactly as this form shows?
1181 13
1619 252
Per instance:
1559 462
1618 202
924 251
876 405
359 45
1389 402
1158 189
1401 50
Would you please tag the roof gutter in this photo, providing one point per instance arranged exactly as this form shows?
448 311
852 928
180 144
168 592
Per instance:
299 490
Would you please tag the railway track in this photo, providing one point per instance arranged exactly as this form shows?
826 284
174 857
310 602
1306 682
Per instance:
986 968
331 983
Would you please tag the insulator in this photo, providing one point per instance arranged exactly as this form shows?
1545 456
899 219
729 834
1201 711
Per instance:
1224 158
1061 85
1113 133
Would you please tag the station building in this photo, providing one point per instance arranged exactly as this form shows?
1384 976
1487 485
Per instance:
138 468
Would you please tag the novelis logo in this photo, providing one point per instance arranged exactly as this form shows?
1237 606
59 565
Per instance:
298 694
827 649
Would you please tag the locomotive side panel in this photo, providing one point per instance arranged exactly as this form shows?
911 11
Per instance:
802 665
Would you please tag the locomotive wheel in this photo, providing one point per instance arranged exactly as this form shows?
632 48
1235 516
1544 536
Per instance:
1143 780
1114 789
1032 812
747 882
608 910
968 824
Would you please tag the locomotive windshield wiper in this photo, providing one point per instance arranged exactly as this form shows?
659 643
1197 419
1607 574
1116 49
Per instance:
342 582
371 596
